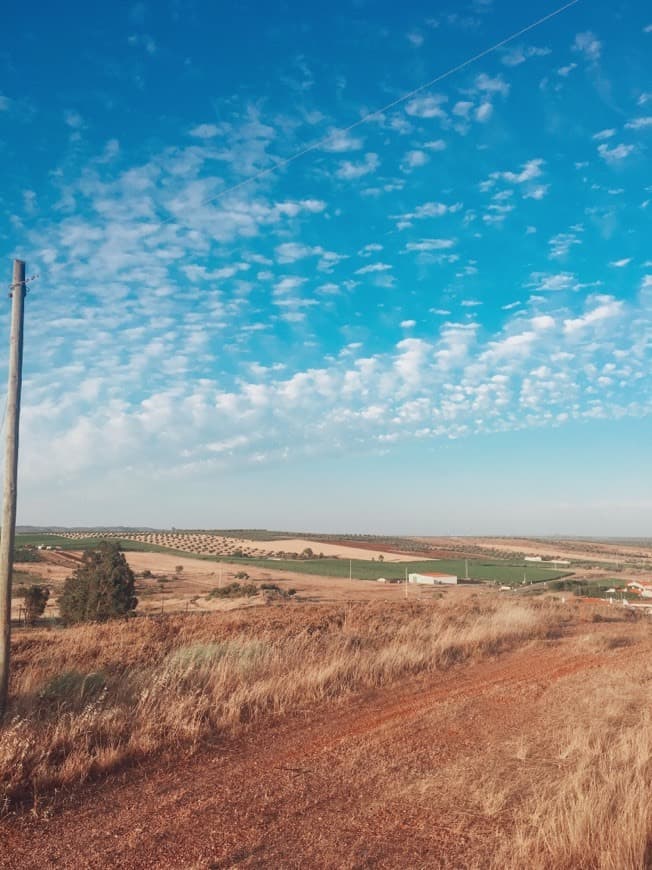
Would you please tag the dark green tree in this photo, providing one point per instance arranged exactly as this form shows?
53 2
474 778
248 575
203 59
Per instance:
101 588
36 597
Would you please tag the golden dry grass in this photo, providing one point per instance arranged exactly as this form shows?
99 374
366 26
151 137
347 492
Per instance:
90 699
571 787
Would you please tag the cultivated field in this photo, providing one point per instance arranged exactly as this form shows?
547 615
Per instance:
210 544
634 553
487 732
177 582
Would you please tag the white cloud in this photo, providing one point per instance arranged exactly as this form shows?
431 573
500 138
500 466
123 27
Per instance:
604 134
492 85
531 170
429 106
544 282
371 248
204 131
416 38
408 324
340 141
542 322
348 171
561 244
619 264
427 210
290 252
484 112
430 245
565 71
520 53
639 123
588 45
414 159
615 154
606 311
73 119
373 267
462 108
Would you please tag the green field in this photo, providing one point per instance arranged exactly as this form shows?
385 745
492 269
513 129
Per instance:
362 569
507 573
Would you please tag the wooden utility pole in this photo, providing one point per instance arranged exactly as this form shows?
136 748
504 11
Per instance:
11 472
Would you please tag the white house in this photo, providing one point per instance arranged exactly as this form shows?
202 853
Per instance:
432 579
641 587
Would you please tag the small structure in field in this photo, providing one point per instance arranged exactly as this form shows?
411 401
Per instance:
641 587
432 579
556 563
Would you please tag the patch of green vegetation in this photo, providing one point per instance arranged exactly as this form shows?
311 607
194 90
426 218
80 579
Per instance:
72 687
273 590
27 554
234 590
241 654
363 569
590 588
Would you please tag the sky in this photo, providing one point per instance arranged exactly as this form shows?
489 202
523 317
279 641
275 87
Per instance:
437 319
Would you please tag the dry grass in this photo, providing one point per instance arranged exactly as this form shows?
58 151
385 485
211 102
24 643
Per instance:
593 806
90 699
572 789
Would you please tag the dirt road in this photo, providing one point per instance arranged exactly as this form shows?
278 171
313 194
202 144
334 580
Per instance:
366 783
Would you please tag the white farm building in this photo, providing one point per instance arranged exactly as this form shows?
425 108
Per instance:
641 587
432 579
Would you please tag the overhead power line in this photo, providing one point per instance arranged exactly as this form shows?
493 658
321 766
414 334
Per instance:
324 140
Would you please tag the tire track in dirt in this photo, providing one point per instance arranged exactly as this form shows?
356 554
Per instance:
306 790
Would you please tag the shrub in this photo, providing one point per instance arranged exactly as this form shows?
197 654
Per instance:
101 588
234 590
242 575
26 554
36 597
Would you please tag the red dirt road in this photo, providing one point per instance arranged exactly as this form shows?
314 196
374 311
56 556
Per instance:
362 784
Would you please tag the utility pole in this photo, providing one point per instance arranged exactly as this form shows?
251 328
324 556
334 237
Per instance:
11 472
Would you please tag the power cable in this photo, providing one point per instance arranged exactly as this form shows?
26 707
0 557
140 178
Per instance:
397 102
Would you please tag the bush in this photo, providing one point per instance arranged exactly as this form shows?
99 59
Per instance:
234 590
26 554
36 597
242 575
101 588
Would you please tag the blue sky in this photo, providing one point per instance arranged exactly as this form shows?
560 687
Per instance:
436 322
